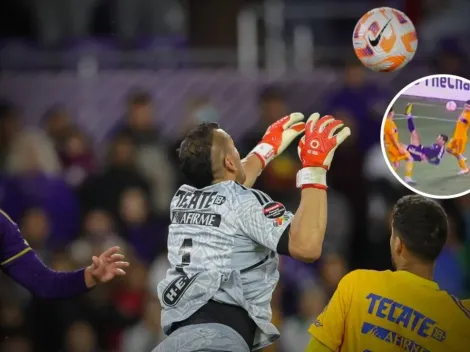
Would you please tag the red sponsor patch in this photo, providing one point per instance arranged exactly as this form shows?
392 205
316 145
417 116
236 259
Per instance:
274 210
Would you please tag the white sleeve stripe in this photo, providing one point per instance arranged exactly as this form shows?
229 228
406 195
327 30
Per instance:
263 198
258 197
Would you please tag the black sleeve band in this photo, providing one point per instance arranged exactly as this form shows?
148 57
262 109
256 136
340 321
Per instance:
283 244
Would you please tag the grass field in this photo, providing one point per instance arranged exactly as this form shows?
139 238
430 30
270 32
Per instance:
431 119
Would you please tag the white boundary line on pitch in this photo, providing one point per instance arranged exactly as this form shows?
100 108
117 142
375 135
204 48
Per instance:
424 118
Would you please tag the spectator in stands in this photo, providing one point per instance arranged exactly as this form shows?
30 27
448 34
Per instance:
9 128
139 120
351 201
311 302
278 179
77 157
332 269
34 180
12 319
199 109
449 271
130 300
141 229
147 334
157 272
152 150
57 123
362 101
104 190
16 343
81 338
35 228
277 315
272 105
339 233
99 232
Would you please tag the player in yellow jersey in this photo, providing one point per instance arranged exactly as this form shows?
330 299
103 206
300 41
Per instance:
459 140
396 151
404 310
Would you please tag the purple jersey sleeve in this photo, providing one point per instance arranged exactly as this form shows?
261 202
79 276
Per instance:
12 244
19 261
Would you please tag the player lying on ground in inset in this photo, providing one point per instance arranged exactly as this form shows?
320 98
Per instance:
433 153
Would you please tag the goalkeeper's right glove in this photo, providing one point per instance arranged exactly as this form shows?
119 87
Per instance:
278 137
316 149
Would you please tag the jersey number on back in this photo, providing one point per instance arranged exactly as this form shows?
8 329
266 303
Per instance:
185 253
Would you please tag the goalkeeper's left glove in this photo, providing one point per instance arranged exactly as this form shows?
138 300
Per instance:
317 148
278 137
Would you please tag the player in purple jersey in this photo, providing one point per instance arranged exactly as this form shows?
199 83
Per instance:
20 262
433 153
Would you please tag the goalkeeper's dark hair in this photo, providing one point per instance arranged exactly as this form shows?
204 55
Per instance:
444 137
422 225
195 155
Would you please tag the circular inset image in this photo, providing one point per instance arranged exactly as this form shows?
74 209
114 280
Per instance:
385 39
425 133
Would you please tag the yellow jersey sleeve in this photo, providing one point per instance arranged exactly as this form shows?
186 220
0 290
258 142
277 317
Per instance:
466 303
329 327
388 130
316 346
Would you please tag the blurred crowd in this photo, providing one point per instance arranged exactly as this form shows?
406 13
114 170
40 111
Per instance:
73 196
72 199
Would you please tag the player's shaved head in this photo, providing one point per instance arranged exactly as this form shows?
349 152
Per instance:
208 155
195 155
421 225
220 143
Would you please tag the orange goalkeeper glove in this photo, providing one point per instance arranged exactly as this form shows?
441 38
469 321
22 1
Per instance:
278 137
317 148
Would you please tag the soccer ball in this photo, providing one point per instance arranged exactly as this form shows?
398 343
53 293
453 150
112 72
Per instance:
385 39
451 106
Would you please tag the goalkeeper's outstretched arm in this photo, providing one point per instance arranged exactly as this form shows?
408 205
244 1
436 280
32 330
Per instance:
253 168
316 151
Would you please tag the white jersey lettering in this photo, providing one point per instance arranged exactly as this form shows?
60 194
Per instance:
222 245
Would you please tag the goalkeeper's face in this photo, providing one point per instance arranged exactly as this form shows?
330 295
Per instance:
232 164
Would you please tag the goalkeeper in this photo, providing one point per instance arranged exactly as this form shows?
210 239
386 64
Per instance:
433 153
225 238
